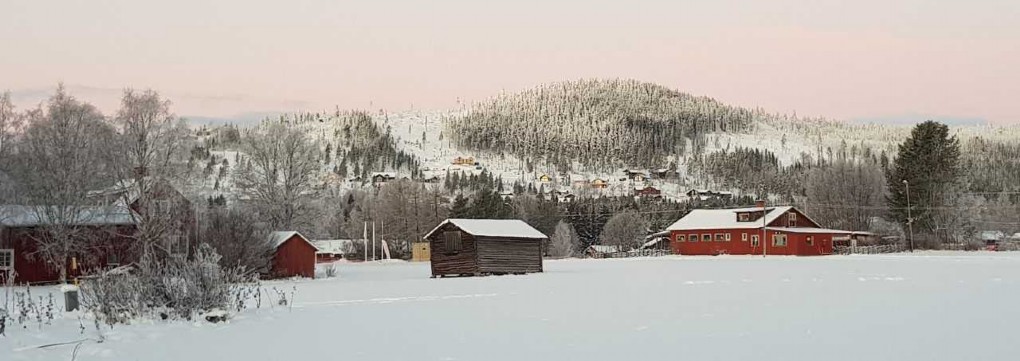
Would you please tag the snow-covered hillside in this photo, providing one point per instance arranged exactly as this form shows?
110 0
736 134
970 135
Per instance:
925 306
424 138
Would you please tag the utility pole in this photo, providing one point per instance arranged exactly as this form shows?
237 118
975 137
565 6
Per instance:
764 224
910 217
373 240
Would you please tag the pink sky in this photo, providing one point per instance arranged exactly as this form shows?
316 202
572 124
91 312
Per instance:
839 59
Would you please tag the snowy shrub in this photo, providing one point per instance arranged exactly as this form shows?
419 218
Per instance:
170 288
23 308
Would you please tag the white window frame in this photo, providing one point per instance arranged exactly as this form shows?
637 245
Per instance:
728 235
754 240
719 237
681 238
692 239
779 240
743 237
10 254
792 219
706 237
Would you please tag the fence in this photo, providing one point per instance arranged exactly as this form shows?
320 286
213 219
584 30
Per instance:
887 248
634 253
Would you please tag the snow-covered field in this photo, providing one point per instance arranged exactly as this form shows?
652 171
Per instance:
925 306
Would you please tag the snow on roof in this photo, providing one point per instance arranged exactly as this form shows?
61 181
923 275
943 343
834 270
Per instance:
506 228
334 246
27 216
652 242
385 174
724 218
278 238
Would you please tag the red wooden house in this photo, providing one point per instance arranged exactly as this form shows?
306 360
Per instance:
785 231
161 201
293 256
105 236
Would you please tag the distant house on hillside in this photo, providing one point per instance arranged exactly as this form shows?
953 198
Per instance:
465 161
786 231
473 247
663 173
648 192
599 183
708 195
383 177
293 255
636 175
544 178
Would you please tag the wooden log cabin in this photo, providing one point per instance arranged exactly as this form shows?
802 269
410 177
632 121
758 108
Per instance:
476 247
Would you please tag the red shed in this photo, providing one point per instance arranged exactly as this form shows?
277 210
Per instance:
788 231
294 255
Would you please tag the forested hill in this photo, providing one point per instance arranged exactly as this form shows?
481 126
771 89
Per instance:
599 123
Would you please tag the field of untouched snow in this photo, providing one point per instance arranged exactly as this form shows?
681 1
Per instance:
925 306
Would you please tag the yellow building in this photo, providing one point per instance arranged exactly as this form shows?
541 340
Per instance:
420 252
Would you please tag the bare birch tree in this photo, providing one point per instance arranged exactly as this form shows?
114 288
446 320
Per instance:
277 176
10 126
59 161
149 157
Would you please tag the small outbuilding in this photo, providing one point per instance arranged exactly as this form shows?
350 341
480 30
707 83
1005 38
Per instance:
474 247
293 255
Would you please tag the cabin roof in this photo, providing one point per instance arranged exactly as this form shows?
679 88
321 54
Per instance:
28 216
278 238
501 228
724 218
335 246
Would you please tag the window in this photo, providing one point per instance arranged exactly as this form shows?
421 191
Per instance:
719 237
680 238
693 237
6 259
793 219
728 237
743 237
810 241
452 239
743 217
779 240
754 240
112 260
706 237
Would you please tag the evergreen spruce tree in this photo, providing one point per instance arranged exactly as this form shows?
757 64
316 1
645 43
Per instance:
928 162
459 209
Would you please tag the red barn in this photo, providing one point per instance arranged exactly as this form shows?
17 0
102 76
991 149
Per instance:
105 236
294 255
786 231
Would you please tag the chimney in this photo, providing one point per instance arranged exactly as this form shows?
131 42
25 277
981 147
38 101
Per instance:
759 203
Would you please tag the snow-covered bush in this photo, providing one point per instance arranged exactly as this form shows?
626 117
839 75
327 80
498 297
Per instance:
168 288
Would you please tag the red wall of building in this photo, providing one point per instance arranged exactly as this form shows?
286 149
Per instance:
796 243
294 257
105 244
